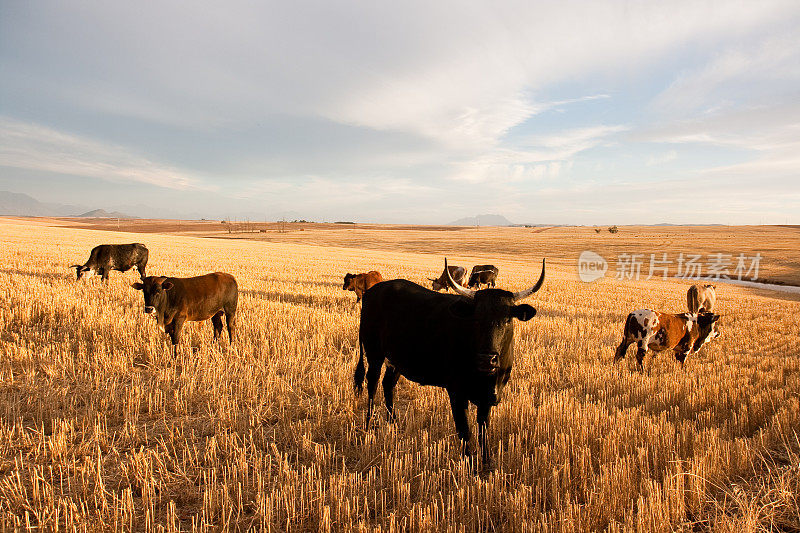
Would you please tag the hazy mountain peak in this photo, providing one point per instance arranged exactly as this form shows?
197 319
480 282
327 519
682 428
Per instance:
482 220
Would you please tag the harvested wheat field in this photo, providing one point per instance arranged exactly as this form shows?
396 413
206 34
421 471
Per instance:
101 429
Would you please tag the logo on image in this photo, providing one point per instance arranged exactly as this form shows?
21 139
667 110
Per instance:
591 266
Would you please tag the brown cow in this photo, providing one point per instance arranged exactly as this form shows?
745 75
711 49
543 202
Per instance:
701 298
360 283
683 333
483 274
176 300
459 275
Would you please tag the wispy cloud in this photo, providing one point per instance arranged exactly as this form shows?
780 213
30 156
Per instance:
535 158
657 160
744 74
31 146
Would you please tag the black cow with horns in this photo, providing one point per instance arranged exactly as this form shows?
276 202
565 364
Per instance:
461 342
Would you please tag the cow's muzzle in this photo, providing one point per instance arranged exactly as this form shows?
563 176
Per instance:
488 363
149 309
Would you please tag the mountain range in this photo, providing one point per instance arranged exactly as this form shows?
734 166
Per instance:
19 204
482 220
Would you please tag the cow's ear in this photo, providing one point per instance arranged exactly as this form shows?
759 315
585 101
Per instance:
463 308
715 318
523 312
138 286
167 285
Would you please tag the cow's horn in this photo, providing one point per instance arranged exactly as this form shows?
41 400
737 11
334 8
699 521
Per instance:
469 293
433 279
527 292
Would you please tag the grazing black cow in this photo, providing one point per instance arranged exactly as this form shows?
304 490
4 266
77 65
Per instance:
462 342
108 257
458 274
176 300
482 275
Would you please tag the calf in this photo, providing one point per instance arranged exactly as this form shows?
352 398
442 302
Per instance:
456 272
108 257
684 333
360 283
701 298
482 274
176 300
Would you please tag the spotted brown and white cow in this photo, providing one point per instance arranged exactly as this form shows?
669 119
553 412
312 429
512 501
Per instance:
683 333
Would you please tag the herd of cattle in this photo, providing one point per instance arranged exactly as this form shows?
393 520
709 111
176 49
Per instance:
462 342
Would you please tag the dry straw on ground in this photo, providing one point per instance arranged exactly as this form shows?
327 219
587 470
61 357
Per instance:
101 429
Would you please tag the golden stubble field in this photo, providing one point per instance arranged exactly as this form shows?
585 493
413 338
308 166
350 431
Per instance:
100 429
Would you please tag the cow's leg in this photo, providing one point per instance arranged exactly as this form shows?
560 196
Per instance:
373 375
458 403
175 334
483 422
141 268
358 295
230 320
622 349
390 377
216 320
680 355
168 329
641 350
105 272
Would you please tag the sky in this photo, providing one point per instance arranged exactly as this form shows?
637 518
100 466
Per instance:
406 112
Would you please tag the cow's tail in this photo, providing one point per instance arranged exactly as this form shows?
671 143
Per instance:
358 377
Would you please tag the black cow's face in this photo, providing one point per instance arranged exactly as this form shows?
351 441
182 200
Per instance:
708 329
348 282
492 313
80 270
154 289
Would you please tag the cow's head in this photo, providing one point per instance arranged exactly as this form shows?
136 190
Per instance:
437 284
155 297
492 313
708 329
348 282
80 269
